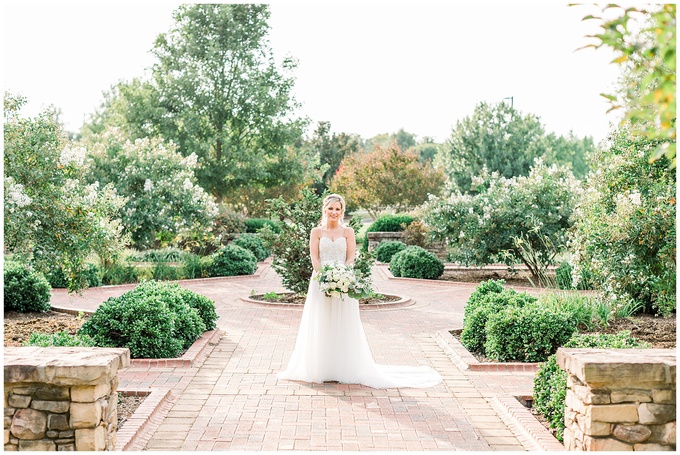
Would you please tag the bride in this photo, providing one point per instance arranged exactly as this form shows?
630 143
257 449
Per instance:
331 344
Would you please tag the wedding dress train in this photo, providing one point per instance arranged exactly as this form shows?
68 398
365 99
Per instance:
331 344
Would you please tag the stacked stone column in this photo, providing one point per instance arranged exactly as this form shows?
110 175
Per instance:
62 398
619 399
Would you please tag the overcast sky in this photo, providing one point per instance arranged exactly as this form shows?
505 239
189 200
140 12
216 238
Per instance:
368 68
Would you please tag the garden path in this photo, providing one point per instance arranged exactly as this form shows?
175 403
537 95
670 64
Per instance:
233 400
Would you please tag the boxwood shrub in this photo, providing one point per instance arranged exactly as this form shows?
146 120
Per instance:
388 248
253 225
528 333
25 289
483 305
232 260
154 320
387 223
254 244
203 305
550 382
416 262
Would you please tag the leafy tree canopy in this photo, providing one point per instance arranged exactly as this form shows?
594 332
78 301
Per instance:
387 177
216 92
499 138
648 57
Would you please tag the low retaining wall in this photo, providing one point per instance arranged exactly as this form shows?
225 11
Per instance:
619 399
62 398
374 239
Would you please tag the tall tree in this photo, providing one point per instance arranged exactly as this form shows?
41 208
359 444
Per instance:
217 92
331 149
495 136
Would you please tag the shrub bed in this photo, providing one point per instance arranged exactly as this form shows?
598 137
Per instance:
154 320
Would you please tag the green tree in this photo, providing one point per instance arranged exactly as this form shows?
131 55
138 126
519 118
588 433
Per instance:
290 246
570 151
51 217
217 92
495 136
648 58
164 201
331 149
387 177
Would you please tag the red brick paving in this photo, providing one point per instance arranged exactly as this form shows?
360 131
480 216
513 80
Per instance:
233 400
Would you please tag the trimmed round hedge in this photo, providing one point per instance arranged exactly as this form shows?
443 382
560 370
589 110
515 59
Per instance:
154 320
489 300
232 260
387 249
416 262
25 289
254 244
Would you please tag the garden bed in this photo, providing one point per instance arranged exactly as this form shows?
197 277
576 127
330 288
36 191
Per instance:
299 299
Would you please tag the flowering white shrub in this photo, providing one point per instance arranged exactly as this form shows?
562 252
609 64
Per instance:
485 227
165 202
625 229
52 219
339 279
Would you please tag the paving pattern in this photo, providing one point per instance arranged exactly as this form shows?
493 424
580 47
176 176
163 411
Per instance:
233 400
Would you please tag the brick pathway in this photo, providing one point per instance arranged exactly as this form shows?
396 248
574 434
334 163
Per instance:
233 400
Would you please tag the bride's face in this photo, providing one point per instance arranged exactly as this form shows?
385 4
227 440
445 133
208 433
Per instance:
334 211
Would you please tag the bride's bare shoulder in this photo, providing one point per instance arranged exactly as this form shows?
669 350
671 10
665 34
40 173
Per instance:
316 232
348 232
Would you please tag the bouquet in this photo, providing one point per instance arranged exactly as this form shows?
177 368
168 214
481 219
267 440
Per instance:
339 279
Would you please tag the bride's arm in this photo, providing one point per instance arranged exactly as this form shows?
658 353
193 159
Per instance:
314 248
351 245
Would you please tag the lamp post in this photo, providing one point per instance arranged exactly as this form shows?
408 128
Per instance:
512 100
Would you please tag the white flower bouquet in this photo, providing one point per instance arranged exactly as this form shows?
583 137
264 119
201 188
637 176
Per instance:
339 279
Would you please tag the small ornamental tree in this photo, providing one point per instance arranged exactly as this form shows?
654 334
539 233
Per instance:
387 177
290 246
508 218
164 200
52 218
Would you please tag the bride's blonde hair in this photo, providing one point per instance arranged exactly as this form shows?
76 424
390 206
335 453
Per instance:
328 200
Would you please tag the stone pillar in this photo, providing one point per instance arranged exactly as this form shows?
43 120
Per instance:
62 398
619 399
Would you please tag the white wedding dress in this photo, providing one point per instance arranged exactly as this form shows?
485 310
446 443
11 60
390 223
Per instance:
331 344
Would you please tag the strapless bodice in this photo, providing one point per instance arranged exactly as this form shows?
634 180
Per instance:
332 250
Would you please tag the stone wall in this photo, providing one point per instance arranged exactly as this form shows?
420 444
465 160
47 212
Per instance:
62 398
374 239
619 399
